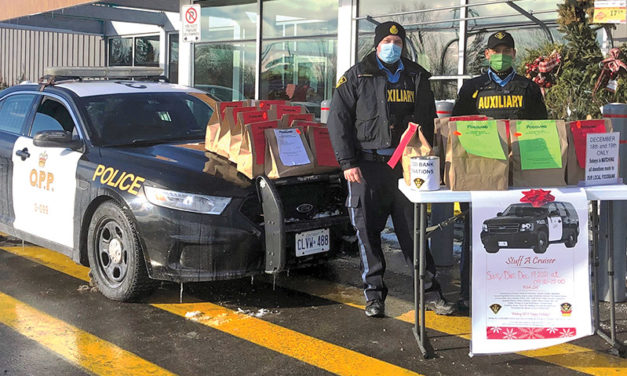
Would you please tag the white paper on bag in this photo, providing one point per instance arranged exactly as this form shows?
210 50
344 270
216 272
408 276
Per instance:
291 149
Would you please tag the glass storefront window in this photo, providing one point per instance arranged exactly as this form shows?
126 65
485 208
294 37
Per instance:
545 10
287 18
301 71
120 51
525 39
147 51
228 22
376 8
226 70
173 58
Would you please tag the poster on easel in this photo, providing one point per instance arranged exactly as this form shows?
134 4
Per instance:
530 270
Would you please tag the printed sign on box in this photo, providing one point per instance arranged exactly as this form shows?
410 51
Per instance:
602 158
190 23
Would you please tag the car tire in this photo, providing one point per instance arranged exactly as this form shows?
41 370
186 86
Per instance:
491 249
115 256
542 243
571 240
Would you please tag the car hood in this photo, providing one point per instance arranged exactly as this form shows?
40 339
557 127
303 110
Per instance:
185 167
509 219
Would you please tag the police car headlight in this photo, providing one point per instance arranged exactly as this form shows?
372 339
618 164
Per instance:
526 227
186 201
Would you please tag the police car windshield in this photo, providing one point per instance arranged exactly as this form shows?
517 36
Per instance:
145 118
524 210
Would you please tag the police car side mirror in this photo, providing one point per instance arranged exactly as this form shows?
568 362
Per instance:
499 214
56 139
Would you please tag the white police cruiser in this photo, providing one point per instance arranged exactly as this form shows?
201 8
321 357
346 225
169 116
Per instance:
113 173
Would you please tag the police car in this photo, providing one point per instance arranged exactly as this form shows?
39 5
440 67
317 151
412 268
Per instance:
525 226
114 174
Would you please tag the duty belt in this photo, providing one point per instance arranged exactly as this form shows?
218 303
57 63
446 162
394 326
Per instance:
374 157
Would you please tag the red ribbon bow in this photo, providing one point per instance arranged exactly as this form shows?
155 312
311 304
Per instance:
610 68
537 197
540 71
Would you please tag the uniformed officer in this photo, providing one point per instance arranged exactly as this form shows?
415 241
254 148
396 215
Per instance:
372 105
500 94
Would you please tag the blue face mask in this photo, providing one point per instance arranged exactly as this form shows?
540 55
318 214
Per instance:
390 53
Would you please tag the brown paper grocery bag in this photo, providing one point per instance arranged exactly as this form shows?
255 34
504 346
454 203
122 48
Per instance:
418 146
307 124
223 146
320 145
278 110
577 131
541 177
265 104
441 132
276 165
469 172
288 119
237 132
251 156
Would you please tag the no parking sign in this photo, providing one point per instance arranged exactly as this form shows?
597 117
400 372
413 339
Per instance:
190 28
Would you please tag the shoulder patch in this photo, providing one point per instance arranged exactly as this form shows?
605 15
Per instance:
341 81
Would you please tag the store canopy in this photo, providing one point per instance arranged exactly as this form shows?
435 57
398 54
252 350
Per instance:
84 16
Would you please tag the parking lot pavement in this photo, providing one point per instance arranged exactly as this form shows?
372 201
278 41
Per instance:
310 323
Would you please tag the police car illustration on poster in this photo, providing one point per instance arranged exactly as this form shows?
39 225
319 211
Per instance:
522 225
114 174
529 266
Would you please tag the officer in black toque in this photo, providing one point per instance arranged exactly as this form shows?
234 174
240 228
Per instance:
371 107
500 94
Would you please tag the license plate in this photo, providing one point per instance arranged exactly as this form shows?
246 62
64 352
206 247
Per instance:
502 244
311 242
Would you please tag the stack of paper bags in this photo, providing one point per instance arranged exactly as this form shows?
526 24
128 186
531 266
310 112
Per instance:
237 131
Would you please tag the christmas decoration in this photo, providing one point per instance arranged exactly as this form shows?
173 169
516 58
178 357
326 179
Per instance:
611 68
537 197
571 94
544 69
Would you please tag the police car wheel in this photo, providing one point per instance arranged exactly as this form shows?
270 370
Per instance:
491 249
115 255
571 240
543 242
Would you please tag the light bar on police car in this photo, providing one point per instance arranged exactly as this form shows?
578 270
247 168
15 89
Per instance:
104 72
186 201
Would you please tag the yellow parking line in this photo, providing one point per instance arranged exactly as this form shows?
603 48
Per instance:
566 355
321 354
307 349
78 347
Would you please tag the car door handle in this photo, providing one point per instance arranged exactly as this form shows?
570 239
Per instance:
23 154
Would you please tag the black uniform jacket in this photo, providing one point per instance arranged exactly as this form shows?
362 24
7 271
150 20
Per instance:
520 98
359 117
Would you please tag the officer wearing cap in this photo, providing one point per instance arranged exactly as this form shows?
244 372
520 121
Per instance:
500 94
371 107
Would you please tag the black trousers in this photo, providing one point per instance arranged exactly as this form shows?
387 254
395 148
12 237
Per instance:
370 203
